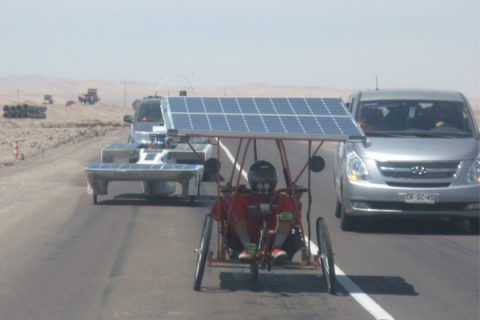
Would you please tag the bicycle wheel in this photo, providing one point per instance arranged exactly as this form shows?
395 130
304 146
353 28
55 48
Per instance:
325 255
202 252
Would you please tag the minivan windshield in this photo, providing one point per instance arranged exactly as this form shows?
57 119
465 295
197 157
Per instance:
419 118
150 112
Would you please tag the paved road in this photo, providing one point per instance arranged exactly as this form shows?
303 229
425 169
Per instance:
132 258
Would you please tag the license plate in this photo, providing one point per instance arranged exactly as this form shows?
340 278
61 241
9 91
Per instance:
420 197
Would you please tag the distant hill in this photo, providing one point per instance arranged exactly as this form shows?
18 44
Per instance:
32 88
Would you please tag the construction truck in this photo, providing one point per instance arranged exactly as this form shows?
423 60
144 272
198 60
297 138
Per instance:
47 99
91 97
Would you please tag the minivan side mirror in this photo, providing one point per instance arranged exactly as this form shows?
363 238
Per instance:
128 118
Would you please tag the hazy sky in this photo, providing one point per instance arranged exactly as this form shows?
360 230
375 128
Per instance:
336 44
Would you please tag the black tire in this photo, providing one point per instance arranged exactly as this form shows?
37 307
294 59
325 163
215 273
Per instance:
95 200
338 210
347 223
325 255
474 225
202 252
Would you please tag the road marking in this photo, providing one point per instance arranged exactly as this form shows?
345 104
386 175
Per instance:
353 290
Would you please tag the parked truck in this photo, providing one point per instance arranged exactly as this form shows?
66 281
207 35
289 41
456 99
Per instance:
91 97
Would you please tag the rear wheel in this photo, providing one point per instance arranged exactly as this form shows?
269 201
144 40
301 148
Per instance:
202 252
325 255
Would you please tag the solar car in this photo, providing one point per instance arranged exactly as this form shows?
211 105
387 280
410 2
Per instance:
275 120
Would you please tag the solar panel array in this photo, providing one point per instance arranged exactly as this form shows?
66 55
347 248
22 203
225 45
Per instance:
286 118
104 167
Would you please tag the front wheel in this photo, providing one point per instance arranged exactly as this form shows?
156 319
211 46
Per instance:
347 223
325 255
202 252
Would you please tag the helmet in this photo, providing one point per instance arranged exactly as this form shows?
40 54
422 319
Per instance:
262 176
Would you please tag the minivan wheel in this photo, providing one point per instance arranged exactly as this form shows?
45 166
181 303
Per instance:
347 223
338 210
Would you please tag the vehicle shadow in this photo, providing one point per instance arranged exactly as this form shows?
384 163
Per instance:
310 283
135 199
416 226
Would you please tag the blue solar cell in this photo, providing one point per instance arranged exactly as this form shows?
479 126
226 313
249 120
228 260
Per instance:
247 105
273 124
212 105
255 124
347 125
177 104
181 121
292 125
310 125
150 156
317 106
282 106
300 106
265 106
335 106
237 123
218 122
195 105
230 105
200 122
329 126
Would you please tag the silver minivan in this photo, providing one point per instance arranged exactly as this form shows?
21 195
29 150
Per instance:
421 157
147 120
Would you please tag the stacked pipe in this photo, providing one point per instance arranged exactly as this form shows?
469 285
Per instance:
25 111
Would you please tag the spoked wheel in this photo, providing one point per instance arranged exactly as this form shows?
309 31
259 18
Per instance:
202 252
325 255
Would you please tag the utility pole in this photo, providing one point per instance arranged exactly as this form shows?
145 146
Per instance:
124 93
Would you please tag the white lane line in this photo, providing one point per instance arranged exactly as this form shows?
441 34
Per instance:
361 297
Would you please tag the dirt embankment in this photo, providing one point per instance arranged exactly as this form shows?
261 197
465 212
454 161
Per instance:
63 126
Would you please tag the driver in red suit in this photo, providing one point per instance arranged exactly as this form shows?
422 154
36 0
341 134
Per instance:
246 219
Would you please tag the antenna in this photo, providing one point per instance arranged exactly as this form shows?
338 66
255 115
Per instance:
376 83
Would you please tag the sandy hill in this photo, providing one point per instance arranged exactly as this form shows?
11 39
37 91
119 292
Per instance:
120 93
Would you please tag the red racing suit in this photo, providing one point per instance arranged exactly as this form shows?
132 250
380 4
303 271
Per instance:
254 222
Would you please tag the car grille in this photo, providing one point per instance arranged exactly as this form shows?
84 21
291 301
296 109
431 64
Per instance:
419 170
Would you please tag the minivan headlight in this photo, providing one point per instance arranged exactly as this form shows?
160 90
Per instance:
474 172
356 168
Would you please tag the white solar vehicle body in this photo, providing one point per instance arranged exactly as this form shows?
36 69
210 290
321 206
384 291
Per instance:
159 163
159 170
